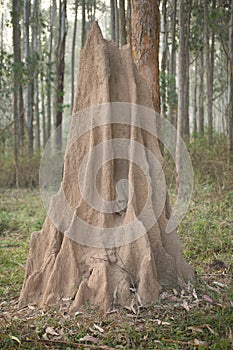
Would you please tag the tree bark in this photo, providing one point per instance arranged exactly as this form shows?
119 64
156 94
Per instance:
164 57
172 110
128 22
113 20
35 34
116 23
181 89
145 44
201 94
209 84
73 53
29 103
123 35
195 100
60 68
230 92
186 126
43 109
83 22
17 58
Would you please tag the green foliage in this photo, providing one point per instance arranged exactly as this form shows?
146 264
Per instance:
210 163
168 88
28 171
6 87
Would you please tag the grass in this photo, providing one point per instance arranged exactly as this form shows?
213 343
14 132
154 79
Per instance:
199 317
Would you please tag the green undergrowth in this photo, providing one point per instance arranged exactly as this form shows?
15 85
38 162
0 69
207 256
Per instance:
198 317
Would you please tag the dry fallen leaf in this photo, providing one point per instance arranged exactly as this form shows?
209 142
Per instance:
78 313
219 284
89 338
16 339
207 298
195 294
185 305
100 329
112 311
199 342
6 316
132 307
161 323
210 329
195 329
51 331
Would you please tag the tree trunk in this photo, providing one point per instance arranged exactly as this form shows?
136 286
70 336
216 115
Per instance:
201 94
230 92
53 27
17 59
181 90
164 57
128 21
186 127
73 53
60 68
172 110
35 29
21 116
83 22
113 20
113 261
43 109
123 34
209 84
145 44
195 100
29 103
116 23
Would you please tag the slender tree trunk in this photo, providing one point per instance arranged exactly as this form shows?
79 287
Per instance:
16 54
60 71
201 94
209 85
186 130
212 57
42 90
73 54
123 35
145 43
113 20
181 87
172 108
230 92
44 131
195 100
21 116
53 13
2 35
164 57
29 85
128 22
36 82
186 126
116 23
83 22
